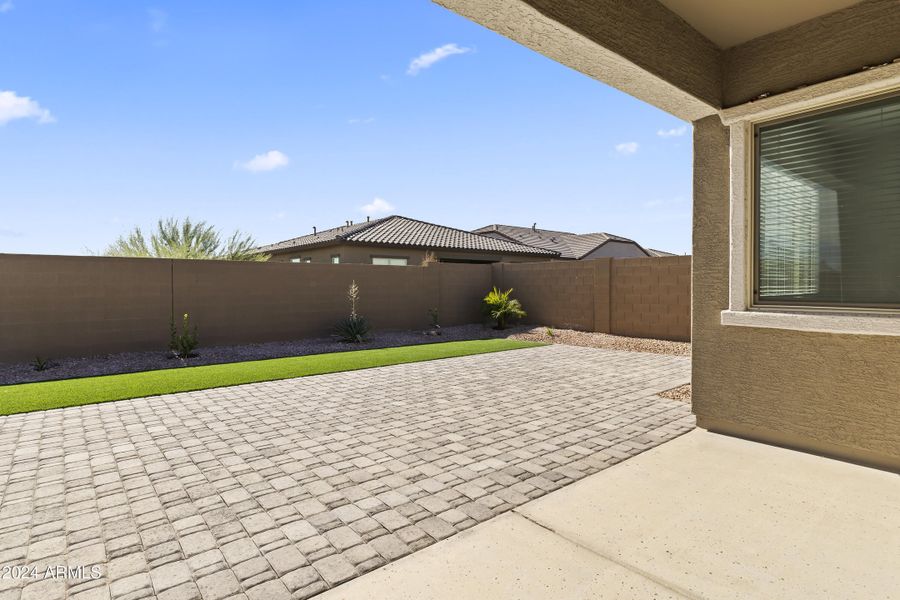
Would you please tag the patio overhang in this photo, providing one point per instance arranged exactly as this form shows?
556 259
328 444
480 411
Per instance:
692 58
823 387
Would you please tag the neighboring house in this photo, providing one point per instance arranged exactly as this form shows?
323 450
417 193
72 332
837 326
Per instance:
401 241
571 246
795 113
653 252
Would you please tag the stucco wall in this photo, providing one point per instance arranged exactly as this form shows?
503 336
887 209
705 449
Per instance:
835 394
830 46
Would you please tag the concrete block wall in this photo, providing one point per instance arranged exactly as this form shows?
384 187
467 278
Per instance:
637 297
651 297
59 306
559 294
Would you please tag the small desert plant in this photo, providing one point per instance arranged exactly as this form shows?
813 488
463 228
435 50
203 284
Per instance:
549 332
430 258
354 328
500 307
183 344
40 364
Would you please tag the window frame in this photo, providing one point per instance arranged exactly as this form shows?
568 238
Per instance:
335 256
754 168
388 257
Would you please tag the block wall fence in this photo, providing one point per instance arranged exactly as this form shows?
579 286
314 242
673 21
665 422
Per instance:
58 306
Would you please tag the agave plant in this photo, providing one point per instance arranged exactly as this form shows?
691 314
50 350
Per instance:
186 239
500 307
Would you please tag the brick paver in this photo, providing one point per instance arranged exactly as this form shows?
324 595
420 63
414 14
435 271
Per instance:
283 489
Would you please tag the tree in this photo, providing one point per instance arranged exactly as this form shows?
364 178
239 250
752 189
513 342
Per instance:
175 239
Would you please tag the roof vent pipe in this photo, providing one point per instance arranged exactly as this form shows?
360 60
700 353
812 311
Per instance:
367 219
314 230
534 227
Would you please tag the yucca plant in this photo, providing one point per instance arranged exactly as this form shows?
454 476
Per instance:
182 345
500 307
356 327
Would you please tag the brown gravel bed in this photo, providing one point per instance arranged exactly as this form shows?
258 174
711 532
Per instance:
603 340
682 392
130 362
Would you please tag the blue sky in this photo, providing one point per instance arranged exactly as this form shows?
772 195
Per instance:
273 117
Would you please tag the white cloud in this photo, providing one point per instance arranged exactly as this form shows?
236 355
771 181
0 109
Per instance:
674 132
22 107
158 19
427 59
365 121
627 148
377 206
6 6
271 160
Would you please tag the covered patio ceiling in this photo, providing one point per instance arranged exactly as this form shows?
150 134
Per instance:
693 58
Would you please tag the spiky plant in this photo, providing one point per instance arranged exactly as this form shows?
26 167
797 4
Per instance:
500 307
354 328
186 239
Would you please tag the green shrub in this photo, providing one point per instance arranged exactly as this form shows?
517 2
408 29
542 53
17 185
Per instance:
40 364
355 328
500 307
183 344
433 313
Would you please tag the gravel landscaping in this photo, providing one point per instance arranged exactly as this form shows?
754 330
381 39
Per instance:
682 393
130 362
601 340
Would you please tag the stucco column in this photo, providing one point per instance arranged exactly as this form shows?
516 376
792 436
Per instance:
709 273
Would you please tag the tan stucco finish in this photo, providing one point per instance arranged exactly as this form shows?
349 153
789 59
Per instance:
639 47
830 46
837 394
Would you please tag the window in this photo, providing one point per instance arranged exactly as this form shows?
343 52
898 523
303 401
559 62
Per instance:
308 259
389 260
828 208
335 259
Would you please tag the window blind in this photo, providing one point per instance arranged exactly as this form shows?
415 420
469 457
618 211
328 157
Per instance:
828 208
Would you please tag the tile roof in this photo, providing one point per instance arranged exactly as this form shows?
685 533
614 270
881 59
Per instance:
569 245
660 252
402 231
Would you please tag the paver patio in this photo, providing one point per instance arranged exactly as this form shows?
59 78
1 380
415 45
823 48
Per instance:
283 489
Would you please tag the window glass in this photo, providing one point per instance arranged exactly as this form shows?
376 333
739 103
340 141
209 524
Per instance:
336 259
384 260
828 208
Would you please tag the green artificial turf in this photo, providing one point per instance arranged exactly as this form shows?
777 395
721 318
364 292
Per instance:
27 397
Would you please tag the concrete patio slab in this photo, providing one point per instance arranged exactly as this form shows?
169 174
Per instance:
287 488
703 516
507 557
